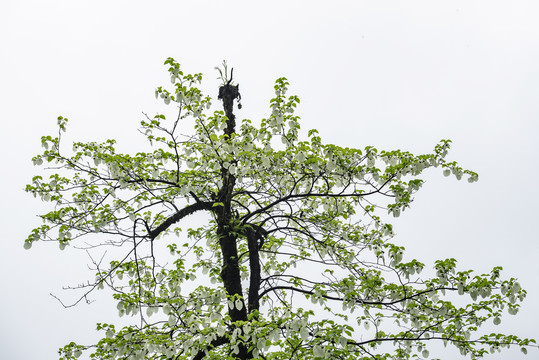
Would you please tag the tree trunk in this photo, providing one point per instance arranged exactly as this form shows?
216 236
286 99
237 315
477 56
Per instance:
230 271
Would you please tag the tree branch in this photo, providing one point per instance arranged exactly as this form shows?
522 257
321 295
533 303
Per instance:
188 210
221 340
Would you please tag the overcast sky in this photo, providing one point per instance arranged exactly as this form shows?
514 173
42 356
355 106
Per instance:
392 74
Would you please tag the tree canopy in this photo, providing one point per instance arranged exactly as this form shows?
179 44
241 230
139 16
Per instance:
290 255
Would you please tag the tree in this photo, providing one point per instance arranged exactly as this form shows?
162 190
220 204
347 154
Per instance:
294 260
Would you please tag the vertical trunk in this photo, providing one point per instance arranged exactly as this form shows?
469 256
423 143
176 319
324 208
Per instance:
230 271
254 265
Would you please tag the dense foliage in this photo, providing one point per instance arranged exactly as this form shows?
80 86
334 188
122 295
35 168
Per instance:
290 257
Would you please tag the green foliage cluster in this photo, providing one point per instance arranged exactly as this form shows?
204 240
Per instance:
295 260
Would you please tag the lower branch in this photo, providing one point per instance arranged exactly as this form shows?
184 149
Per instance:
188 210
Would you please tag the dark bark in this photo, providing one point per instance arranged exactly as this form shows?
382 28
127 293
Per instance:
254 265
230 271
228 93
188 210
221 340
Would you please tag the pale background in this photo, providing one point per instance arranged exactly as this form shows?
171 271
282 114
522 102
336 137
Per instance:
393 74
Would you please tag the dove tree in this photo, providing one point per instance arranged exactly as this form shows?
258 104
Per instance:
244 240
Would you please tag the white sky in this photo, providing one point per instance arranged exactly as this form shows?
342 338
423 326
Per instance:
392 74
